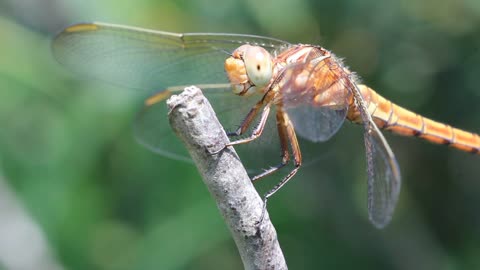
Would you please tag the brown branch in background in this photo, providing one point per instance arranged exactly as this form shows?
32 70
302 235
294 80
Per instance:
195 122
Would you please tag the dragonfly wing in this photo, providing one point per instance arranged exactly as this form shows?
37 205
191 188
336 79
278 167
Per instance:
151 129
146 59
317 124
384 179
154 60
301 84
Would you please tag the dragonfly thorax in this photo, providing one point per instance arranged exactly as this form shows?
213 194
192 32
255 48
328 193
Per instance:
249 70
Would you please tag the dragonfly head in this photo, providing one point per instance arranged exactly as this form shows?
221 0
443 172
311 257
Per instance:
249 70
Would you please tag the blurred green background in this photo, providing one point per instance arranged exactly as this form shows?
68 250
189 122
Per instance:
101 201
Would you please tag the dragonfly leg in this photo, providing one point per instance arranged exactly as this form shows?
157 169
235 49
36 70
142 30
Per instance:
297 157
247 121
283 136
258 129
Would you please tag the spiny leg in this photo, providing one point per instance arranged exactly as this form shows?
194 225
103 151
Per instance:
283 136
297 158
257 131
247 121
266 100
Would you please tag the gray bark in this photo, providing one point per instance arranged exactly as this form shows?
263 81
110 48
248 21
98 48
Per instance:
195 122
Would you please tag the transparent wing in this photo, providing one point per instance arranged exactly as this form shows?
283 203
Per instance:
146 59
151 127
384 180
153 60
301 84
317 124
152 130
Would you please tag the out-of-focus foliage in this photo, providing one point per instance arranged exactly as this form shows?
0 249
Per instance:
104 202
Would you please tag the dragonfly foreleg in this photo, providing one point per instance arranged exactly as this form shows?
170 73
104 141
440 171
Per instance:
247 121
257 131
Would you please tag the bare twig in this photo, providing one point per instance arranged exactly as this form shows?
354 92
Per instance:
193 119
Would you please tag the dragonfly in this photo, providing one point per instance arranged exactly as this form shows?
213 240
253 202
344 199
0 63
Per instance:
304 90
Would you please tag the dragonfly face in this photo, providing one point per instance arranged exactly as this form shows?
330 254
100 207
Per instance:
249 70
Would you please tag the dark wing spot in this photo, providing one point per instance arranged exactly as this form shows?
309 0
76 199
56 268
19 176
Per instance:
258 67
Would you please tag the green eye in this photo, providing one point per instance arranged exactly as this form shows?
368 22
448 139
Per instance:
258 64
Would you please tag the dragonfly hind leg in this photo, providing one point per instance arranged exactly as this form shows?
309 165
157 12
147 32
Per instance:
283 136
286 132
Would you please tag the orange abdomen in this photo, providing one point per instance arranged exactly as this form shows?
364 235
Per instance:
394 118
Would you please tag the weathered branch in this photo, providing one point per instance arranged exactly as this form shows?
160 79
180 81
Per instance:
193 119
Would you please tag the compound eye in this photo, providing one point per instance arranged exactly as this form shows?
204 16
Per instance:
258 64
